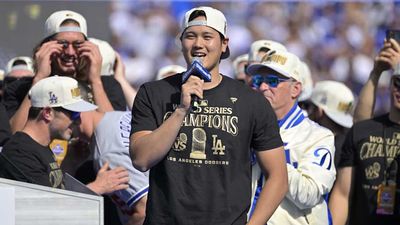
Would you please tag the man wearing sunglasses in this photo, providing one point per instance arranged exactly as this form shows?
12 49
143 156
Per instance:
55 112
368 179
64 51
309 147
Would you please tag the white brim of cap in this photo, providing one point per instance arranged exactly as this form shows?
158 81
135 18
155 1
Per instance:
257 68
344 120
80 106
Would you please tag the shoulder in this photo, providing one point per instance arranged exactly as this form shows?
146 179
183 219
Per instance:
317 129
376 122
18 144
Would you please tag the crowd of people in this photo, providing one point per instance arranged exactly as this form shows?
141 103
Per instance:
241 125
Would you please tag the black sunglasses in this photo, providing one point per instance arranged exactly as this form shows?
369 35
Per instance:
65 44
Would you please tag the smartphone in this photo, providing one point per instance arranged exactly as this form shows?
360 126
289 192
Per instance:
395 34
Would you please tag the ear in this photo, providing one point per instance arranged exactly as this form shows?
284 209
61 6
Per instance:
295 89
47 114
224 44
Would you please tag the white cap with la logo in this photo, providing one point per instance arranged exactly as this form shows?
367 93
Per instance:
59 91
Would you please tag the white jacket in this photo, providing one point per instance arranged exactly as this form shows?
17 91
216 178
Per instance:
309 152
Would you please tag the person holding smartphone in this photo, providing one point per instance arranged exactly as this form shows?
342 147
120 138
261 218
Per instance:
367 183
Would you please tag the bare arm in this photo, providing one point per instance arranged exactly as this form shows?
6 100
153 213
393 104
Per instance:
388 58
366 101
119 75
147 148
139 212
43 66
273 163
91 52
339 200
18 120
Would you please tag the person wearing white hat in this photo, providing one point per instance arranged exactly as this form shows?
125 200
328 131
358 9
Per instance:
332 107
259 49
20 66
309 147
64 51
54 112
367 184
199 160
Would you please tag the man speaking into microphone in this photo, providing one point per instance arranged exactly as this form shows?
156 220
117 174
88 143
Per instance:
200 161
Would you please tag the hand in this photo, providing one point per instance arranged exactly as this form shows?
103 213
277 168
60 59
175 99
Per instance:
193 86
388 57
43 58
90 52
119 68
108 181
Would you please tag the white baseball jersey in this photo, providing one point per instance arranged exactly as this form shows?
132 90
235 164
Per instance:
309 152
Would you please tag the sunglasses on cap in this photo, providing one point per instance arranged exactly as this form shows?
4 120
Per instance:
271 80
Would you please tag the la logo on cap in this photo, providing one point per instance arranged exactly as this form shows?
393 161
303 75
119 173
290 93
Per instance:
52 98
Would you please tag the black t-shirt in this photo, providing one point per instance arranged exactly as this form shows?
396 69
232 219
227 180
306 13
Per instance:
205 178
26 160
114 93
339 140
15 92
5 131
363 150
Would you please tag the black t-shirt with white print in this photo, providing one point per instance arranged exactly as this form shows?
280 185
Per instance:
28 161
205 178
365 151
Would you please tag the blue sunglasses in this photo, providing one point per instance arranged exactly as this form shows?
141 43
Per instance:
75 115
72 114
271 80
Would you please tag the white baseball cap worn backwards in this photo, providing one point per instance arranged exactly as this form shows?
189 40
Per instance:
214 19
53 23
28 64
258 45
59 91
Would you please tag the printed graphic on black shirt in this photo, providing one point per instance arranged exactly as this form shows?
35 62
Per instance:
193 140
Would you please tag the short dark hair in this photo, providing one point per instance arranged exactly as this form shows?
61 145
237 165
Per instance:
34 112
198 13
19 62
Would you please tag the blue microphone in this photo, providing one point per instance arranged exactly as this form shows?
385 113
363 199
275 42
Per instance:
196 69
